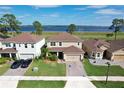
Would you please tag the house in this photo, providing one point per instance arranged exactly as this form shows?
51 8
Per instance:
66 46
116 51
95 48
22 46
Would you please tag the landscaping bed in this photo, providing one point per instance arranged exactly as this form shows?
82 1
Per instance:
46 69
93 70
110 84
40 84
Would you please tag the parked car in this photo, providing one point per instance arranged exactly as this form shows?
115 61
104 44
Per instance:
15 64
26 63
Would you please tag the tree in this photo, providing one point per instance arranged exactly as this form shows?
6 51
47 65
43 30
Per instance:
38 27
71 28
116 25
45 52
9 22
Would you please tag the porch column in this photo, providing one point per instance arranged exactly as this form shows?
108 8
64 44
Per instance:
0 55
10 55
57 54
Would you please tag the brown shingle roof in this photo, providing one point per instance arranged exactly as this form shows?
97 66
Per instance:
66 37
24 38
116 45
71 49
95 44
8 50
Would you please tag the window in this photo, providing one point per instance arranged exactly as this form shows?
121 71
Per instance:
26 46
93 54
98 54
14 45
8 45
32 45
19 45
78 43
53 44
60 43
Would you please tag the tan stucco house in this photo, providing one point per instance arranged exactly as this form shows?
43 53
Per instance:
66 46
116 51
95 48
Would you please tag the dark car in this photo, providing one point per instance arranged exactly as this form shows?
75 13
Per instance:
26 63
16 64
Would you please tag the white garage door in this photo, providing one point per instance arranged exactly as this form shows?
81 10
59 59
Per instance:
72 58
26 56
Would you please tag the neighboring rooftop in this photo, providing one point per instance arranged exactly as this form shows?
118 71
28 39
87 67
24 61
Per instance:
95 44
116 45
64 36
24 38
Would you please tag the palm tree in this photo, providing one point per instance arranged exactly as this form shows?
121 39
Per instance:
116 25
45 52
38 27
71 28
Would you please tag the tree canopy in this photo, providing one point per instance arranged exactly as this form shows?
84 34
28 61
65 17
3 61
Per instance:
71 28
38 27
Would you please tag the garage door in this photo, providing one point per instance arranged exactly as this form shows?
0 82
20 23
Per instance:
118 58
26 56
72 58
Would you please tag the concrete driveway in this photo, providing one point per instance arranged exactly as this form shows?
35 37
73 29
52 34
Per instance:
15 72
75 69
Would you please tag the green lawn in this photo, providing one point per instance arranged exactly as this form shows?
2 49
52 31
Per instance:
40 84
4 68
89 35
46 69
93 70
110 84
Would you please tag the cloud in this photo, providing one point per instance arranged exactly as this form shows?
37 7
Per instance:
5 8
50 15
45 6
23 16
91 6
110 11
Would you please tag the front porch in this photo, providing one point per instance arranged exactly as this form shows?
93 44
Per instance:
60 55
9 52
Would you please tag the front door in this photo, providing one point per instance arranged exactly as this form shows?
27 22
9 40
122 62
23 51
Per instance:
60 56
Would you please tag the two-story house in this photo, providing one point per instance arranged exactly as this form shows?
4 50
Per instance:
66 46
22 46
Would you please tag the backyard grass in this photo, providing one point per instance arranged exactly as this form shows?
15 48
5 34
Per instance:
89 35
4 68
40 84
110 84
46 69
93 70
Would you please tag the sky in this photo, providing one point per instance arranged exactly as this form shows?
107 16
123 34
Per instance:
91 15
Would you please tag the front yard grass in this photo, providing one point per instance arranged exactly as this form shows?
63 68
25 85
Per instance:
93 70
46 69
110 84
40 84
4 68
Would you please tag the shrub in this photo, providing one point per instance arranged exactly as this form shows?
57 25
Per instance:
52 57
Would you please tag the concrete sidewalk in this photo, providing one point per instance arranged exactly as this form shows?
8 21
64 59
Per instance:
103 78
72 82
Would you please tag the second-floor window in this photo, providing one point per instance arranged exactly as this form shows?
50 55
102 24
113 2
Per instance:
53 44
60 43
32 45
19 45
26 46
8 45
78 43
14 45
